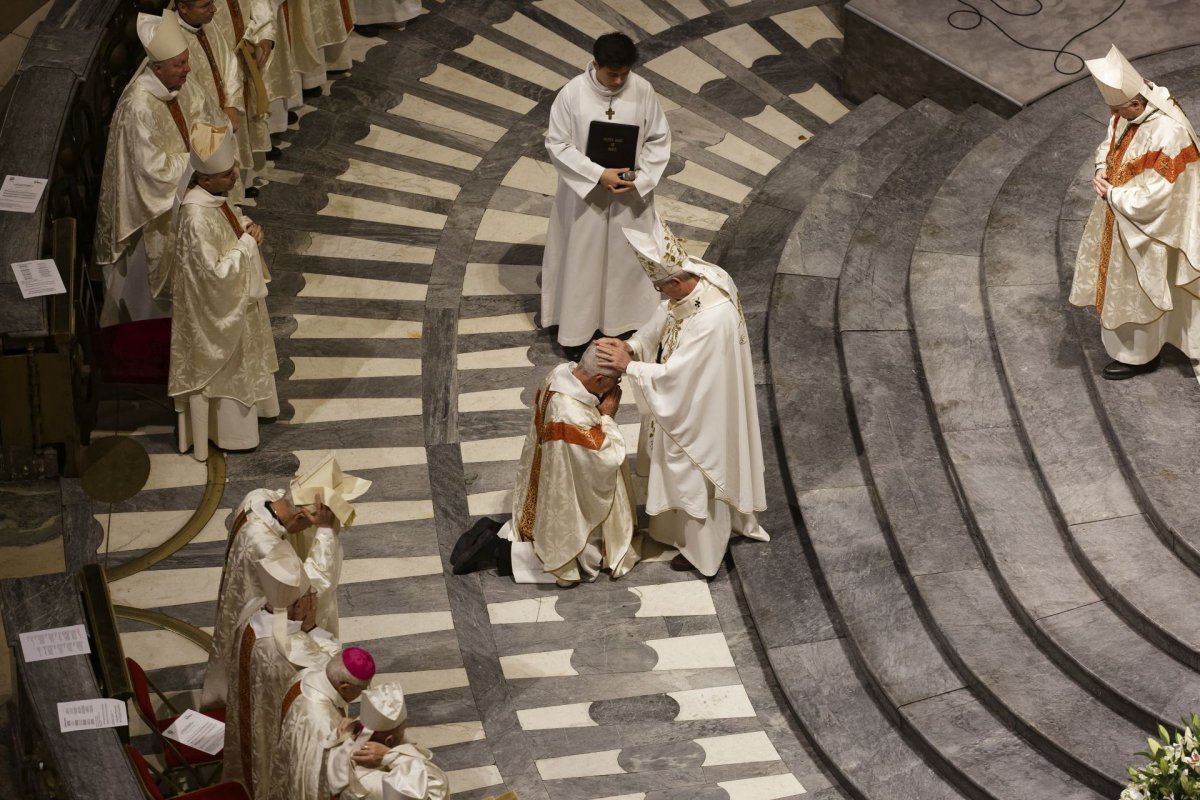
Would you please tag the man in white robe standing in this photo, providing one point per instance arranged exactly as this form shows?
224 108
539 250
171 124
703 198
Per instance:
223 364
313 714
144 160
693 379
1139 259
573 509
277 637
366 766
590 278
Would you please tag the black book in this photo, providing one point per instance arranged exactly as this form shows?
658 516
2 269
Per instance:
611 144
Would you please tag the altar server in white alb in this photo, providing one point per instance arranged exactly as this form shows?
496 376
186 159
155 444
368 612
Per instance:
145 157
223 364
692 376
1139 259
573 508
590 278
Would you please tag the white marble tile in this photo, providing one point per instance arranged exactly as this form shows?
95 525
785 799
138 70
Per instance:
390 141
584 765
737 748
453 80
500 323
526 30
765 787
507 448
340 286
158 649
774 122
743 44
485 503
807 25
696 248
340 409
316 326
381 511
368 174
678 599
328 245
639 14
577 17
668 105
701 651
141 430
714 183
744 154
502 358
485 51
536 609
430 113
425 680
637 796
357 45
434 736
307 368
500 279
685 68
571 715
717 702
692 9
357 208
550 664
466 780
173 470
278 175
160 588
532 176
673 210
364 570
139 530
491 400
819 101
512 227
353 459
352 630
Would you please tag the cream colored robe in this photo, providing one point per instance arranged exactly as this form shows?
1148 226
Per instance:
205 86
298 770
319 32
348 781
700 438
255 531
385 12
591 279
258 678
1139 257
143 163
573 484
256 21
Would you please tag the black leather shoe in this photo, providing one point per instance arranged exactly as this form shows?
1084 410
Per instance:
1119 370
251 192
311 93
366 30
293 118
274 154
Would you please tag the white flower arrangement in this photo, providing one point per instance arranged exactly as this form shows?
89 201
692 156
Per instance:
1174 769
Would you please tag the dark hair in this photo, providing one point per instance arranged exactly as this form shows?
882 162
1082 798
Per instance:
615 51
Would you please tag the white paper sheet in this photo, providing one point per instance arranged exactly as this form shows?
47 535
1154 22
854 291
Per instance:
21 194
86 715
198 731
38 278
54 643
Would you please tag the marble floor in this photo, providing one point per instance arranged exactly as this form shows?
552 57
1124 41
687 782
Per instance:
405 225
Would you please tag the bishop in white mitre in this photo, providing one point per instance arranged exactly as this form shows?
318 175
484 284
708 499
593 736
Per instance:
223 364
378 763
1139 259
573 508
590 278
693 379
146 155
277 636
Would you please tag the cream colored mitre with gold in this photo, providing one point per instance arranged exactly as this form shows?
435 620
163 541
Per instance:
335 488
161 37
1116 78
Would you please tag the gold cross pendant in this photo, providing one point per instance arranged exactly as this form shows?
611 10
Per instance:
609 113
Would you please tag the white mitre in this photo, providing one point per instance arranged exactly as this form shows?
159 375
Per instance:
382 708
283 581
662 255
335 488
1116 78
161 37
214 150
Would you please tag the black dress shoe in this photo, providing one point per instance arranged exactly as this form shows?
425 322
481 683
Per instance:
1119 370
293 118
274 154
311 93
366 30
251 192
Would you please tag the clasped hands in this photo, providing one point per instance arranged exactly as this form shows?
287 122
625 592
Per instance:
368 754
256 232
1100 183
611 179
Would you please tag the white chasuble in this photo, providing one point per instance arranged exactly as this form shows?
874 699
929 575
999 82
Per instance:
311 710
591 279
212 85
1139 256
241 24
573 483
408 764
699 422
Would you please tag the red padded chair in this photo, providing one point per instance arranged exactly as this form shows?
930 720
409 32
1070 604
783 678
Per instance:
177 755
230 790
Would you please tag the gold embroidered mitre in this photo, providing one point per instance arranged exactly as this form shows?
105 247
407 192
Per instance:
660 253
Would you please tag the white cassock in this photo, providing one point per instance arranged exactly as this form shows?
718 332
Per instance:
591 279
320 29
144 160
223 364
307 731
254 532
408 763
572 496
385 12
700 439
258 678
1139 257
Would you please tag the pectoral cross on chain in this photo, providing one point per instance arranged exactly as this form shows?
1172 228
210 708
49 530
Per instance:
609 113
